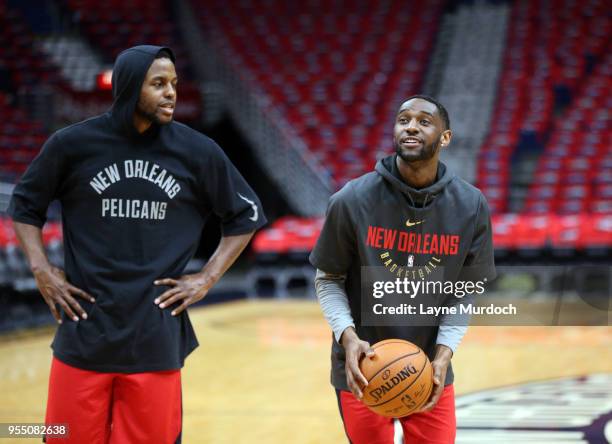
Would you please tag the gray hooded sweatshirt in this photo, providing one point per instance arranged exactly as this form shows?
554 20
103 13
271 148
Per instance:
378 221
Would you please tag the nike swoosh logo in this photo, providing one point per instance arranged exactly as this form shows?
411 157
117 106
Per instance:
255 215
411 224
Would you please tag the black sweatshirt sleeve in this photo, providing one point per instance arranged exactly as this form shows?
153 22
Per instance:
38 186
336 246
230 196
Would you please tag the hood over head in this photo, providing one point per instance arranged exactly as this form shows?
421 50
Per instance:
387 168
129 72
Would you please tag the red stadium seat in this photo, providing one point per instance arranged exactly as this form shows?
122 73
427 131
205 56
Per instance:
295 59
596 234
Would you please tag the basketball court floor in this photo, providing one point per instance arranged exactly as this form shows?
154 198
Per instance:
261 375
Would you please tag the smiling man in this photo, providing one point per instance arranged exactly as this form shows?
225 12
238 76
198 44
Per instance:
136 189
445 224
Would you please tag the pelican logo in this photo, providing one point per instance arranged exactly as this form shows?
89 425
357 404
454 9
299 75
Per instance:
255 215
412 224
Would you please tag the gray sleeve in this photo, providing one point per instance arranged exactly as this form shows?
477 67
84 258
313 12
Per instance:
479 265
334 302
451 335
453 326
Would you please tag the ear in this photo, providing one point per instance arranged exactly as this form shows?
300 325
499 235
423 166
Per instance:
445 138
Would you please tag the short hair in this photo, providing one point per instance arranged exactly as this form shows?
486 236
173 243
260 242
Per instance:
164 54
441 110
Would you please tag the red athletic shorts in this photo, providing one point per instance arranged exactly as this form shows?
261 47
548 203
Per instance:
363 426
114 408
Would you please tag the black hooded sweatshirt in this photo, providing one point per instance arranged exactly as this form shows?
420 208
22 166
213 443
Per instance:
133 209
396 231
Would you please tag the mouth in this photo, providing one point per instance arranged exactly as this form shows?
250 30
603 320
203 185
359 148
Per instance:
167 108
411 141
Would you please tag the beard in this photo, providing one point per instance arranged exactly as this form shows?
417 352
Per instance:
425 152
150 113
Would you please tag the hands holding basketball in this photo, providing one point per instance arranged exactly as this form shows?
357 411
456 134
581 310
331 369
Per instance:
355 349
189 288
439 366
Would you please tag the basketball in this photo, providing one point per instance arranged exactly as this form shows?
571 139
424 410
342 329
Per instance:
400 378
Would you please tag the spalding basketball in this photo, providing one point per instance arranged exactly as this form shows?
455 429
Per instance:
400 378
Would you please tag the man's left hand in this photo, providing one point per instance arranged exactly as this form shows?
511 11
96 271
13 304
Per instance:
189 288
439 366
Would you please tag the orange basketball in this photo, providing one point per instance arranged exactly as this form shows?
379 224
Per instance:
400 378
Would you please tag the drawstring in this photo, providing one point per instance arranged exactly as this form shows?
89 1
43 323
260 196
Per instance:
424 204
411 199
425 200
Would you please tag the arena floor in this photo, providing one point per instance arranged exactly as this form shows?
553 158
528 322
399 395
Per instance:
261 371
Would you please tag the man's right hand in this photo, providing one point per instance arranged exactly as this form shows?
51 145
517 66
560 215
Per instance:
56 290
355 349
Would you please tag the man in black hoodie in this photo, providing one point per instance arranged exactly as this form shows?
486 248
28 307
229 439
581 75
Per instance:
410 219
136 189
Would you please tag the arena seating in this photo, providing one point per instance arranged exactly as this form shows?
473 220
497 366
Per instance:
551 51
110 27
286 237
23 306
315 71
21 68
20 140
114 25
337 72
574 174
19 55
337 76
13 265
522 236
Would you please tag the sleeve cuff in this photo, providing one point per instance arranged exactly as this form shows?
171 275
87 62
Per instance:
28 220
339 330
451 336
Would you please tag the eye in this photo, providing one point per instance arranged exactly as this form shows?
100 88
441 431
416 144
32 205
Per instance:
403 121
425 122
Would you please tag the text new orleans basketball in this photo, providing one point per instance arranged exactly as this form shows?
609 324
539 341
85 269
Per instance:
416 243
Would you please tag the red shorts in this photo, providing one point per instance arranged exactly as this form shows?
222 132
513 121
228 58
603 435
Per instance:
114 408
363 426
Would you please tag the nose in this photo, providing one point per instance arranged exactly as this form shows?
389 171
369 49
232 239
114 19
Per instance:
412 128
170 91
